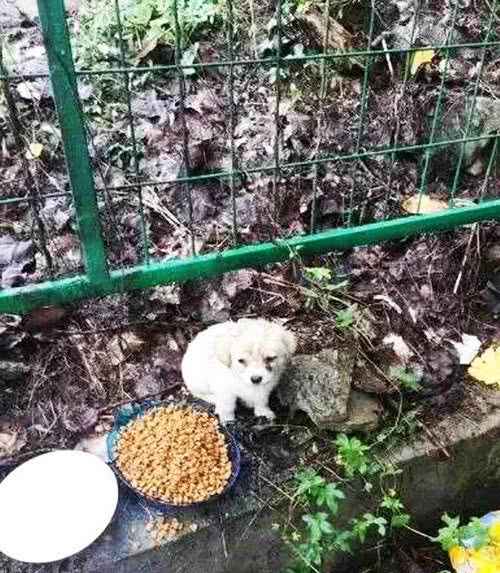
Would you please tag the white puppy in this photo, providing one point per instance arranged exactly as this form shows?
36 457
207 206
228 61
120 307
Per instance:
232 360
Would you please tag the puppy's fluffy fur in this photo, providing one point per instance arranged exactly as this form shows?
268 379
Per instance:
232 360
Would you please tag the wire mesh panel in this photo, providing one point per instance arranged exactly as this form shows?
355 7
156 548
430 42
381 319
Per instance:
206 135
37 218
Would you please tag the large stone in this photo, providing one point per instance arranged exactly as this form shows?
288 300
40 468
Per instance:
427 31
485 120
320 386
482 118
363 413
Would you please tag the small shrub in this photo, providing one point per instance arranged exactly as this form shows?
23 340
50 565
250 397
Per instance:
146 24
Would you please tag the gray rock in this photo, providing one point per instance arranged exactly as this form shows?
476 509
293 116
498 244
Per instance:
481 121
427 31
363 413
485 121
366 380
319 385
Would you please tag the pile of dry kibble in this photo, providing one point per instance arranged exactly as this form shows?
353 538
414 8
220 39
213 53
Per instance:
175 454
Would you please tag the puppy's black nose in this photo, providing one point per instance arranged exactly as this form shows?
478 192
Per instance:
256 379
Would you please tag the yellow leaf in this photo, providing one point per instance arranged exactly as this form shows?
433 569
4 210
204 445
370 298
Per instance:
494 531
419 58
35 151
485 368
489 357
420 205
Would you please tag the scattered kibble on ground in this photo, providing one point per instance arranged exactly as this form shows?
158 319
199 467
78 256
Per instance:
167 528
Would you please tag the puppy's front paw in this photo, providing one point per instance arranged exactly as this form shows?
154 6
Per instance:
226 417
264 412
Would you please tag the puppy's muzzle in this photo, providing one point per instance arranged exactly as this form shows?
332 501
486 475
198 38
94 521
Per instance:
256 379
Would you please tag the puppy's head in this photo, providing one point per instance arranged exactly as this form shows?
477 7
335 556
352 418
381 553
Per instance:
260 351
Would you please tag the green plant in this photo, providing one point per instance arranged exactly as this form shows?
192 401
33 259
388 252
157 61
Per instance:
398 429
361 525
318 275
344 318
405 378
353 456
320 500
310 485
453 534
145 25
323 293
268 46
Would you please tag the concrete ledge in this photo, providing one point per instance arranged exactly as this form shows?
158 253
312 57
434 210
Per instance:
235 535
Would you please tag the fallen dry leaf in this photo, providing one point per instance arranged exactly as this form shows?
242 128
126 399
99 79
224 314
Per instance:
9 321
419 58
467 349
423 204
167 294
45 317
389 301
486 368
121 346
79 418
402 350
338 37
94 444
34 151
12 438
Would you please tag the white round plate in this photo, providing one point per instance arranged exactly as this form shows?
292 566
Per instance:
55 505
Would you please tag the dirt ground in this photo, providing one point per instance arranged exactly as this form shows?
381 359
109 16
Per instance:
64 369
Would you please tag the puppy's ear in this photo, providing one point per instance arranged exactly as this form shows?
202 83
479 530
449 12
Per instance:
290 341
222 350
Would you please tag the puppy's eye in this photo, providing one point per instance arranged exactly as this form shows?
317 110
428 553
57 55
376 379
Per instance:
270 359
242 361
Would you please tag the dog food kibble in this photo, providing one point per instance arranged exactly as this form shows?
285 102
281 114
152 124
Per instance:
175 454
165 528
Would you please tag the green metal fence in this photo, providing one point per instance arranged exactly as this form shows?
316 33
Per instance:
100 279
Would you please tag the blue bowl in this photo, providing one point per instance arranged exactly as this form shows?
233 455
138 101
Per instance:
125 414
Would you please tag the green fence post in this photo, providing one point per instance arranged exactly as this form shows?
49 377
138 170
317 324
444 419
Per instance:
64 85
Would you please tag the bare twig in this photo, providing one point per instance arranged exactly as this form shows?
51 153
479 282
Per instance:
465 257
430 434
434 439
17 128
388 57
152 201
168 390
93 378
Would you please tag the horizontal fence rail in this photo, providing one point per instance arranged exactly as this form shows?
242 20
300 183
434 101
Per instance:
99 278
